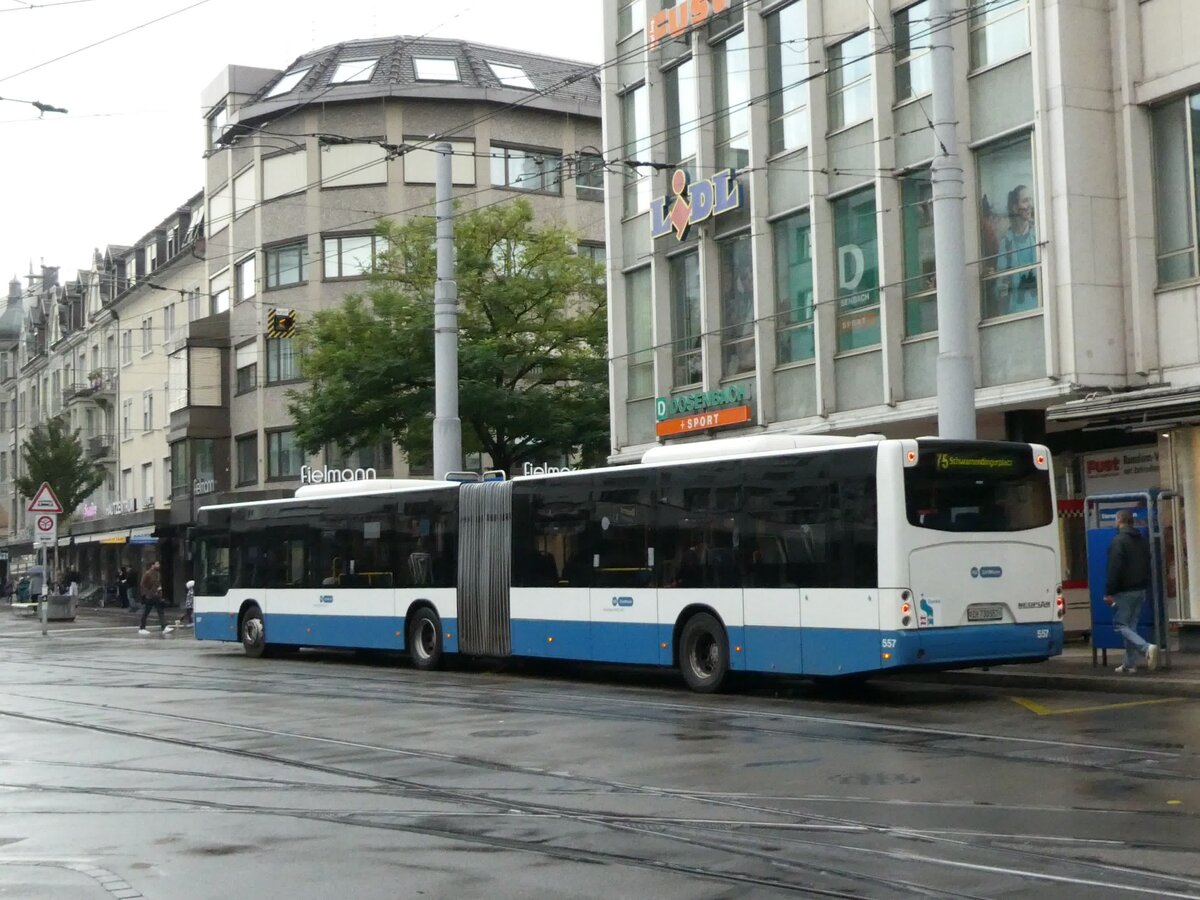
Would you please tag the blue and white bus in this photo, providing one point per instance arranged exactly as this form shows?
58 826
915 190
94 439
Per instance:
812 556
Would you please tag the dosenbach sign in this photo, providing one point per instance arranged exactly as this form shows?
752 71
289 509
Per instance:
702 410
673 22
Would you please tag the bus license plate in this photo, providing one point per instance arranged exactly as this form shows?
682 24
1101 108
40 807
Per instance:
993 613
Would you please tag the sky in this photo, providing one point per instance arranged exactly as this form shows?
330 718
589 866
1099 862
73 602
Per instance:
128 152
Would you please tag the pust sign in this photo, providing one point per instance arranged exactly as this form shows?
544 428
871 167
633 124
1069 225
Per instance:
669 23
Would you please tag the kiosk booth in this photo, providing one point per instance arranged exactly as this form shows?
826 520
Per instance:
1100 513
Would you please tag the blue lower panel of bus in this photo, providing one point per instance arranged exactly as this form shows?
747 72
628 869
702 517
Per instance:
972 645
367 632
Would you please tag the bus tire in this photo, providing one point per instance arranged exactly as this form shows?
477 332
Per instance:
252 632
425 639
703 653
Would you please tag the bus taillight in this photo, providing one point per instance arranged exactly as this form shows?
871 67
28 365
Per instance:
1060 602
905 608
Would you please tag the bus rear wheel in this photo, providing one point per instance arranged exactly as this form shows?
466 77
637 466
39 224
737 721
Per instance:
703 653
253 634
425 639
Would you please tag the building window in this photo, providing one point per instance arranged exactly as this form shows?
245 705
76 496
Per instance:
283 362
246 278
857 264
510 75
289 81
787 76
286 264
435 69
216 126
635 124
372 456
246 448
1008 232
737 306
589 177
284 457
914 63
245 193
999 30
352 255
246 362
147 485
731 79
420 163
127 484
147 335
920 274
168 322
147 410
686 362
126 419
793 289
126 346
110 352
850 82
527 170
1176 163
683 110
597 254
180 478
354 70
639 329
631 18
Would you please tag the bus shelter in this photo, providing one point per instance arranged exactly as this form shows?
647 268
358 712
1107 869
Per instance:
1100 512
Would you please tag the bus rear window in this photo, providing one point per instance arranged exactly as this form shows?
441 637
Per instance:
977 488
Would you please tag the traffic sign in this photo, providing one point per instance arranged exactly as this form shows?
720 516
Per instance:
44 501
45 527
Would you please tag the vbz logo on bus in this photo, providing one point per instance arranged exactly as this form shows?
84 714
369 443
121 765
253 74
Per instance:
622 601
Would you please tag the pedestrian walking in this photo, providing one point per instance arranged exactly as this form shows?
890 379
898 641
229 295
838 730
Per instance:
152 597
1125 591
189 603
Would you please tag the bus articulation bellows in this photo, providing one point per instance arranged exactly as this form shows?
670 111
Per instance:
812 556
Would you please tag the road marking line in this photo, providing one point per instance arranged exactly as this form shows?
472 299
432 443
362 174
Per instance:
1040 710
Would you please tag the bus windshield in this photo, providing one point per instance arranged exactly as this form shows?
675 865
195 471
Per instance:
977 487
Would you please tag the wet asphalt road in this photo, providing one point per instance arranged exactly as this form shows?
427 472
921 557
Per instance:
134 767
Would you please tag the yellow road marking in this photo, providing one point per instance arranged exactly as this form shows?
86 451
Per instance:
1040 710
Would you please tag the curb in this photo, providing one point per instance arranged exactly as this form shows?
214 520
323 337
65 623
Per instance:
1154 686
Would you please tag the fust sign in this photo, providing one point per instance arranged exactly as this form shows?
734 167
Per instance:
672 22
694 202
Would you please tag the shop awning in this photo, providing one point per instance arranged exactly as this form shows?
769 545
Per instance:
104 537
1149 409
143 535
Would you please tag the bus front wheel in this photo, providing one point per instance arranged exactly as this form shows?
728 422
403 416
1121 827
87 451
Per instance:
253 634
703 653
425 639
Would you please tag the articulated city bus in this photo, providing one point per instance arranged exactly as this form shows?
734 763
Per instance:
812 556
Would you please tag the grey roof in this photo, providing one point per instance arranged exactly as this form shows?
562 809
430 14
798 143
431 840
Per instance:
562 79
11 318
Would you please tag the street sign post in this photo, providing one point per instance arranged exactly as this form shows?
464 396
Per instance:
45 509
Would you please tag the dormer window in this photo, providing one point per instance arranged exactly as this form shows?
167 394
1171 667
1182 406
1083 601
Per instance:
287 82
435 69
354 70
510 75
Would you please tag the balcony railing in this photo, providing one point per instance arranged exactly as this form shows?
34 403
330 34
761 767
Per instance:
100 446
99 382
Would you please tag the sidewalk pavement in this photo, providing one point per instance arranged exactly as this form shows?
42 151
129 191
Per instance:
1073 671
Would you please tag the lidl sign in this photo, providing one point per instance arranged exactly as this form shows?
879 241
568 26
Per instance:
694 202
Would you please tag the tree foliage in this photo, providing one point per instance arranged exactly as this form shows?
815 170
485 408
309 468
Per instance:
53 453
532 357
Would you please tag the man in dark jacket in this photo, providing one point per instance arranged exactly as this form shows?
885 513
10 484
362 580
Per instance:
1125 590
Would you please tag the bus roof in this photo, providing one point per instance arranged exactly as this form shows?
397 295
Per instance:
345 489
750 445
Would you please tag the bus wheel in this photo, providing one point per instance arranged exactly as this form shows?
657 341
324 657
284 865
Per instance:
254 636
703 653
425 639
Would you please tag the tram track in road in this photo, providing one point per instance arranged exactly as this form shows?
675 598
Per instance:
672 829
1150 764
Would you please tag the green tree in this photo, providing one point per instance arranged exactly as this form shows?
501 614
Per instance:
533 371
53 453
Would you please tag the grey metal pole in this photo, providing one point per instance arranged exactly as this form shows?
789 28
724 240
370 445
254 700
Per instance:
447 428
955 367
43 601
